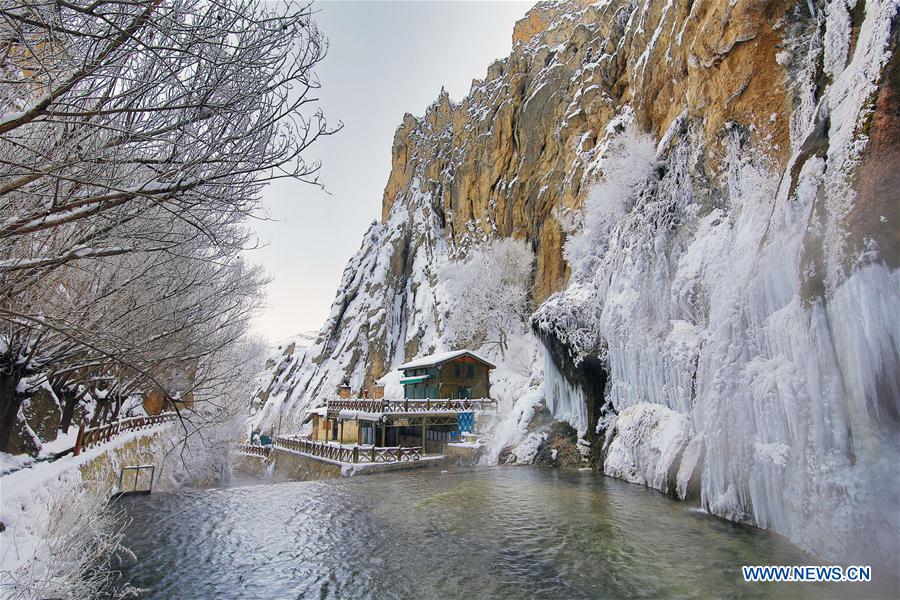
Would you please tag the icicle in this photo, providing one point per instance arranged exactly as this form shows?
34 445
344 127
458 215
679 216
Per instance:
565 401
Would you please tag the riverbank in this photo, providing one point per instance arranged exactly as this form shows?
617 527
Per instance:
284 464
30 494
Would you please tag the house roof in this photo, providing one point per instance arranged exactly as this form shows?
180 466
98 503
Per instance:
442 357
321 411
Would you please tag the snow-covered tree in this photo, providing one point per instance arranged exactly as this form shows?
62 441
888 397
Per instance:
124 117
135 138
489 293
627 162
202 452
75 550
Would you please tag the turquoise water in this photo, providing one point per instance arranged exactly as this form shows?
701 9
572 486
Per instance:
466 533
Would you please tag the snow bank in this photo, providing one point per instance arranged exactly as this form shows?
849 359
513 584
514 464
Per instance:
526 451
518 386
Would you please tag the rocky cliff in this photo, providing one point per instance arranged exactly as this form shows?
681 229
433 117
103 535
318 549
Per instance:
710 192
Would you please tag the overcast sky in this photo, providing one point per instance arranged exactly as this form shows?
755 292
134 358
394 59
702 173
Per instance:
385 59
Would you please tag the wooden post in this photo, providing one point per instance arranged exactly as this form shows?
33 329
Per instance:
383 430
399 454
78 440
327 428
340 431
423 435
356 454
373 451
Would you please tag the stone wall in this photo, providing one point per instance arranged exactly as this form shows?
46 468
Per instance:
283 465
460 454
101 474
251 464
290 466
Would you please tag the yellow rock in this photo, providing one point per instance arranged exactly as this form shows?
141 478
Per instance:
509 156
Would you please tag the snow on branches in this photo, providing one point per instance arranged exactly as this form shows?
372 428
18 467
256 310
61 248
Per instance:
490 291
136 136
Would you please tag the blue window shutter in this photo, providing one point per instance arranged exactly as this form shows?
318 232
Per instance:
466 421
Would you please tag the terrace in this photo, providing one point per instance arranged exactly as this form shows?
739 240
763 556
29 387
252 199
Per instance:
350 453
382 406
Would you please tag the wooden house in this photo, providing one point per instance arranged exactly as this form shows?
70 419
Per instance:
459 374
441 391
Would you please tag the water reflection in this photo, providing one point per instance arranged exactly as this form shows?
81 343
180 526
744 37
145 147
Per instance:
483 533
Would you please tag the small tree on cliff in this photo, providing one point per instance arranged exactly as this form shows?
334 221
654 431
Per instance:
489 293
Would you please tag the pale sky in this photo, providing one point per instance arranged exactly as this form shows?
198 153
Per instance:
385 59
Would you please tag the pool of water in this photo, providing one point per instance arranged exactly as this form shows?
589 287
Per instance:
461 533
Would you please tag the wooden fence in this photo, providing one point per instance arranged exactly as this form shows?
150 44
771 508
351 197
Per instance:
411 406
351 454
255 450
94 436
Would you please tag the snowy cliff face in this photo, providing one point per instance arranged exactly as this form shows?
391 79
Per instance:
386 310
710 189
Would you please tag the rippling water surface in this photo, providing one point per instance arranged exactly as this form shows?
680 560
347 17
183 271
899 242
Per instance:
478 533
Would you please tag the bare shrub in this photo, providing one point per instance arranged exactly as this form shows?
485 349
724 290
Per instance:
74 551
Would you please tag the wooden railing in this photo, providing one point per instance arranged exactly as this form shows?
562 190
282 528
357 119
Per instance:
411 406
373 406
93 436
255 450
350 454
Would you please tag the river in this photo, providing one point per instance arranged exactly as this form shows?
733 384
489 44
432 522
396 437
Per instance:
460 533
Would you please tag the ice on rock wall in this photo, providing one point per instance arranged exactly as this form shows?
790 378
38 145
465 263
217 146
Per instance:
793 401
733 354
565 401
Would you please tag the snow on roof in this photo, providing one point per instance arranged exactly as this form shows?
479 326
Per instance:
440 357
360 415
322 411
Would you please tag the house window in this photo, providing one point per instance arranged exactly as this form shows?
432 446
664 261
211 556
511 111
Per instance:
334 429
456 370
438 435
471 371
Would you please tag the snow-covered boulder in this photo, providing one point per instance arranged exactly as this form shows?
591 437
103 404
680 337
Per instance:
647 447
